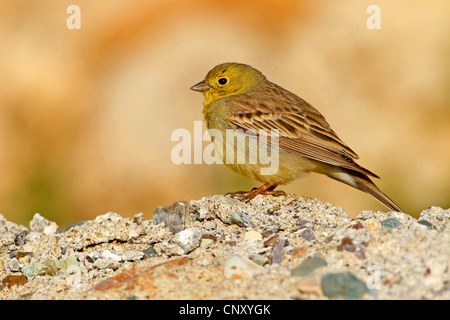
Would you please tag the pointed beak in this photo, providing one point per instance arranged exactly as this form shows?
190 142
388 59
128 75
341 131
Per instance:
201 86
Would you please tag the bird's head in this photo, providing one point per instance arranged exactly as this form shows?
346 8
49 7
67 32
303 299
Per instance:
228 79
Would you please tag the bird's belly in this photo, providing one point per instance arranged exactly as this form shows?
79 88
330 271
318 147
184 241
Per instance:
254 160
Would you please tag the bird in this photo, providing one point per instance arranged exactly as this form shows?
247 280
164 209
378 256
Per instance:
239 97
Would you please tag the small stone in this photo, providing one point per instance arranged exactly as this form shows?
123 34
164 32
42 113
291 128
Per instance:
308 235
241 219
132 255
21 238
78 223
276 256
271 241
210 225
237 267
372 224
259 259
106 263
252 235
391 223
308 265
171 249
357 226
300 252
14 265
41 224
347 245
343 285
269 231
49 267
188 239
427 224
201 213
273 209
12 280
150 252
110 255
138 218
301 224
173 216
206 242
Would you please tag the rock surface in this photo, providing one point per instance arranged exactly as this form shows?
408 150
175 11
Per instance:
285 247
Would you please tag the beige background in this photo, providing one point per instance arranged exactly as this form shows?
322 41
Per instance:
86 115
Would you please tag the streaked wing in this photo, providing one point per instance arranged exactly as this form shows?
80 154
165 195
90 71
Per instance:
302 129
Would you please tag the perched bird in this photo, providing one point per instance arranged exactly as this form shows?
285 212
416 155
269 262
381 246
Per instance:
239 97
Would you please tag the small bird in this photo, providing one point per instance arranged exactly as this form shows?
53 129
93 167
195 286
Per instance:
239 97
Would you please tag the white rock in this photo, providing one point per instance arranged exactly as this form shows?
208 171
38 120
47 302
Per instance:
41 224
110 255
188 239
106 263
252 235
238 267
132 255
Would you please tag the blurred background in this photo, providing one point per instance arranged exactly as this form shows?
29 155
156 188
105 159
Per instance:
86 115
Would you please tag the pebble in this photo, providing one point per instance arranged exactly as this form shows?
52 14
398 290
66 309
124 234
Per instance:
427 224
252 235
343 285
51 266
21 238
13 280
201 213
110 255
305 224
42 225
372 224
308 265
206 242
259 259
308 235
138 218
210 225
106 263
14 265
276 256
78 223
241 219
188 239
173 216
391 223
132 255
237 267
150 252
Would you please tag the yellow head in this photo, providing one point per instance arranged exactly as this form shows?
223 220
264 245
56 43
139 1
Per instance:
228 79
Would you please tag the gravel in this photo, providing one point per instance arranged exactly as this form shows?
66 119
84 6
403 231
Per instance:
285 247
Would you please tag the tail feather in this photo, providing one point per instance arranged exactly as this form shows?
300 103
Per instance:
363 183
372 189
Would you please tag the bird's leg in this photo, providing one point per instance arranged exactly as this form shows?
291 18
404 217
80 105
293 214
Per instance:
270 191
266 189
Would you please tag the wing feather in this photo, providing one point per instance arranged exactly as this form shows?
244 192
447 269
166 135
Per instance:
302 129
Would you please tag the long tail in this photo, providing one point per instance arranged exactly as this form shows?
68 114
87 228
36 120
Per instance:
362 182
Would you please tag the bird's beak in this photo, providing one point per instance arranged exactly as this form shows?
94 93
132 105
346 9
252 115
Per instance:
201 86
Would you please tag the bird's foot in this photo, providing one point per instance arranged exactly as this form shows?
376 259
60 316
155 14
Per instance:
266 189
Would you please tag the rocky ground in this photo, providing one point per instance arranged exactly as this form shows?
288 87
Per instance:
221 248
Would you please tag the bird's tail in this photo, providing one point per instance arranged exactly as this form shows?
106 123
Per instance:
362 182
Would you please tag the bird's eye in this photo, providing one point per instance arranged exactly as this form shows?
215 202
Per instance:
223 81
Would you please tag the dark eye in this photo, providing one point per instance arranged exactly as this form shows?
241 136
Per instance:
223 81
